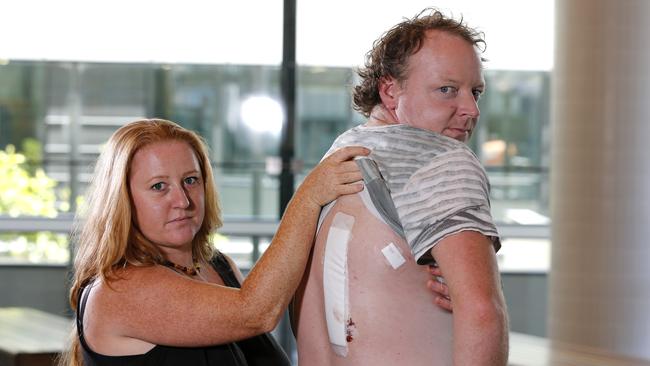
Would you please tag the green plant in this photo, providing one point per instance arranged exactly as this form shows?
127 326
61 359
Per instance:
22 192
25 190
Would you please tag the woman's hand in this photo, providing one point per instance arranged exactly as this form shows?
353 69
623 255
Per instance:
335 176
440 289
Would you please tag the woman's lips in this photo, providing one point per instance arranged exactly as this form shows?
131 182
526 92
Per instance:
180 219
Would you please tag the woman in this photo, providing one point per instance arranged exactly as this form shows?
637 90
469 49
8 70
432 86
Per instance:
148 287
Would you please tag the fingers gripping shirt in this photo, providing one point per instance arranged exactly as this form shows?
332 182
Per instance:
437 184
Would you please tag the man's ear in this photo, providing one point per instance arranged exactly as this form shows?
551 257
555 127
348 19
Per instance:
388 89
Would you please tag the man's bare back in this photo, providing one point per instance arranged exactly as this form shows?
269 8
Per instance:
392 317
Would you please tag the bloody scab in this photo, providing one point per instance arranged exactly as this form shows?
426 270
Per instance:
349 330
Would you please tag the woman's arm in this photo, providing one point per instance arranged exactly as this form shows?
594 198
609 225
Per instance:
157 306
298 225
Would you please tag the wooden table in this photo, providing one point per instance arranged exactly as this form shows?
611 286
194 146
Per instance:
31 337
527 350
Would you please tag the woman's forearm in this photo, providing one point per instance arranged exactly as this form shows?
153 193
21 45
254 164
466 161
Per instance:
267 290
275 277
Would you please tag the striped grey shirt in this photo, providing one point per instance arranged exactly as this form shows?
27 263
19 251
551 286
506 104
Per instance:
437 184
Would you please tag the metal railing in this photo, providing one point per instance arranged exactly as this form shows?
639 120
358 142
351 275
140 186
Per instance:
237 227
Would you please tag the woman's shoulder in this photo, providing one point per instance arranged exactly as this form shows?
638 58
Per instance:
123 281
111 310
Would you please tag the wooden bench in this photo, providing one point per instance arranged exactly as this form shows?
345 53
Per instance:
30 337
527 350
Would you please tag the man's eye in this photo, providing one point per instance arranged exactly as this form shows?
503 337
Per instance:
447 90
477 94
158 186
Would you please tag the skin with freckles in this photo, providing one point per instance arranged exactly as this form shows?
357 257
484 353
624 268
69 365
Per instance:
152 305
152 197
168 196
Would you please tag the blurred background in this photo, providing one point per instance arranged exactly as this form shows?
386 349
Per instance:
72 72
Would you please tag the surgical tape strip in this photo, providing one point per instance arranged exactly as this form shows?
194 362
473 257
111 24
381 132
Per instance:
393 255
335 281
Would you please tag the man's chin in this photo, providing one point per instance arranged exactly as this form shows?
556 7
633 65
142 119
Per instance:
462 136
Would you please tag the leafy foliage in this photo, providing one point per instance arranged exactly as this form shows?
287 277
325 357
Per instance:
25 190
22 192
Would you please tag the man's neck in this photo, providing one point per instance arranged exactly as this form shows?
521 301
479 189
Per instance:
380 116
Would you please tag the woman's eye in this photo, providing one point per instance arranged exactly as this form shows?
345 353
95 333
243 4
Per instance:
158 186
190 180
477 94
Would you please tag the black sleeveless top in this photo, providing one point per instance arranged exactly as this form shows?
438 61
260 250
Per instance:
260 350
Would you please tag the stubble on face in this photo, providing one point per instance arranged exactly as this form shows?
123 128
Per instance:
439 92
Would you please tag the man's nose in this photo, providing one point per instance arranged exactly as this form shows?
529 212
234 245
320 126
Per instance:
469 106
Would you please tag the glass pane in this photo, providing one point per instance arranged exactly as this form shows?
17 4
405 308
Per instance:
513 142
187 31
241 249
324 109
524 255
350 33
36 247
56 114
236 110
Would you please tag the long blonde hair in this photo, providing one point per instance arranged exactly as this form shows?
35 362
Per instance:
106 238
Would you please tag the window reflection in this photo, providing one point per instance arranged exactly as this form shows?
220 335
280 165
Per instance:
513 143
57 115
37 247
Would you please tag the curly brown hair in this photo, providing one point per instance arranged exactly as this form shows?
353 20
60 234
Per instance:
390 53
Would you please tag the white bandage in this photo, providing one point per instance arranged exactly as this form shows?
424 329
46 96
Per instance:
335 282
393 255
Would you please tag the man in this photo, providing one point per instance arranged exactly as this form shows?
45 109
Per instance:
363 299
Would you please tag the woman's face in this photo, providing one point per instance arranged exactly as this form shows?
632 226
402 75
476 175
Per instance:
167 193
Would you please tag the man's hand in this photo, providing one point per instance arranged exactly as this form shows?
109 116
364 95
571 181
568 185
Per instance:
440 289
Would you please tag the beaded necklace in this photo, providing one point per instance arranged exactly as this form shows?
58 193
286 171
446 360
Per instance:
193 271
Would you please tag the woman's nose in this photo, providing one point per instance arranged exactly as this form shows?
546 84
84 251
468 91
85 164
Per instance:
180 197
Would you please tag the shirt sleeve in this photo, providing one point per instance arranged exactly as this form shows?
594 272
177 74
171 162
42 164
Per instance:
448 195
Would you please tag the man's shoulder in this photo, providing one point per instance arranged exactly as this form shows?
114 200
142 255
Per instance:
458 163
400 138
